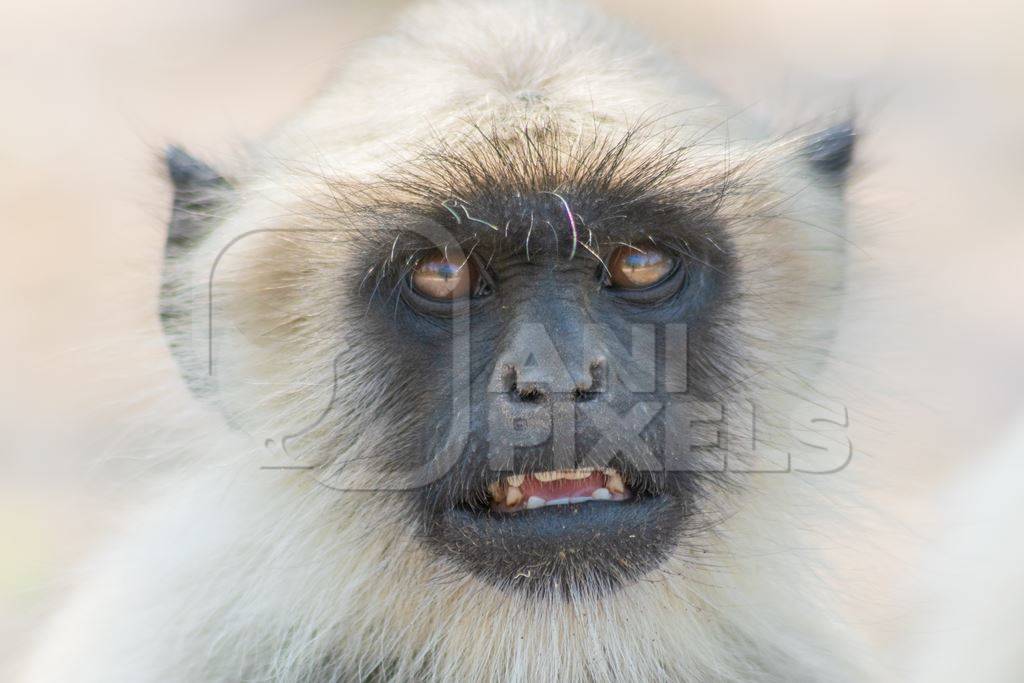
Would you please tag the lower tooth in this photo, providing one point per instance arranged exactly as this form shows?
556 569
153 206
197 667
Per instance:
513 496
602 494
534 502
558 501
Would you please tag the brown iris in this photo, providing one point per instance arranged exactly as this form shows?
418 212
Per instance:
437 277
636 268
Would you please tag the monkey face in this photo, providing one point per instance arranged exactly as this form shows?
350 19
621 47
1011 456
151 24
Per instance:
571 469
541 344
553 348
545 347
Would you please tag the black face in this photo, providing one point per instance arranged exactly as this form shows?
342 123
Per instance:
570 464
546 328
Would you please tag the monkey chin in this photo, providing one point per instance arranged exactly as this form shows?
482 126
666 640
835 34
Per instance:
573 534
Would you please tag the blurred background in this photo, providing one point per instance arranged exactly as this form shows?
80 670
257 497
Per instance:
931 348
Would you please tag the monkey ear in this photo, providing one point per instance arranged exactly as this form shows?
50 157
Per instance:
200 194
831 150
198 189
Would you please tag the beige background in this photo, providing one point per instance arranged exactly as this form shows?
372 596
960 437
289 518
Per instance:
91 92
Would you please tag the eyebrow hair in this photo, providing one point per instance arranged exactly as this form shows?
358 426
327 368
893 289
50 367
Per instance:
593 166
510 182
536 190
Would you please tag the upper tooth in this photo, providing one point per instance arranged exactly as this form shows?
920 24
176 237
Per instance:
534 502
513 496
515 479
495 490
614 483
561 474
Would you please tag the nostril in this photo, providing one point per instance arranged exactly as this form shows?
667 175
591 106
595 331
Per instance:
533 392
529 393
580 394
588 391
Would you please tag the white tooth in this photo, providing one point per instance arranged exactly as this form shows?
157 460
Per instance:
602 494
614 483
558 501
515 479
546 476
577 474
534 502
513 496
580 499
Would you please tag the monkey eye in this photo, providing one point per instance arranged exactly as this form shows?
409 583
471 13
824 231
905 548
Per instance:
636 268
439 278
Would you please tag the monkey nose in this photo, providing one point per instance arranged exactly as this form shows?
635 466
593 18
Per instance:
584 387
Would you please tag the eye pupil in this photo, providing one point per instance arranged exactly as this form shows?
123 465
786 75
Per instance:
636 268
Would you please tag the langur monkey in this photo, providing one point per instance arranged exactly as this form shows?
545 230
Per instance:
506 334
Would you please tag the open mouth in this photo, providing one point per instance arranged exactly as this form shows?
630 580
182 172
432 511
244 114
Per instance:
573 531
518 492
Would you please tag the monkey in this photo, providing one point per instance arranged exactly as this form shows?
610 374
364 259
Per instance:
510 335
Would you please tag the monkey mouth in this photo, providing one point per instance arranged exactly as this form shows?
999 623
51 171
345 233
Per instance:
576 532
518 492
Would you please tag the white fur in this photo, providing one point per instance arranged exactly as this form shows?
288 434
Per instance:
233 573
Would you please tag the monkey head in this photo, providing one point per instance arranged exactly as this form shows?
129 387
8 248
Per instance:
536 324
